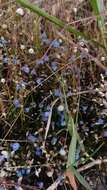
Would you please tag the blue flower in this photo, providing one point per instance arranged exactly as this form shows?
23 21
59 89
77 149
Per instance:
26 110
40 184
32 138
15 146
39 61
55 44
39 81
16 103
46 58
25 69
5 59
45 115
100 121
38 151
54 140
54 66
33 72
105 134
19 173
57 92
18 87
14 60
44 38
2 158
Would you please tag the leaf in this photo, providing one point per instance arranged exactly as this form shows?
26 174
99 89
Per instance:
80 178
72 147
71 178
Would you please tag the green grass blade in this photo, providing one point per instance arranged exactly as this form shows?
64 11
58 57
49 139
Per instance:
73 144
80 178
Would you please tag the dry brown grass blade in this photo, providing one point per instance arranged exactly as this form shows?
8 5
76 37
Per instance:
70 176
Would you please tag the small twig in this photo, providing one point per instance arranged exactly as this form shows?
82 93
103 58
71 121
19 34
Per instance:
91 164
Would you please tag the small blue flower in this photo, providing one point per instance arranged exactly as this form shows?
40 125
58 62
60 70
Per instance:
44 38
16 103
55 44
46 58
38 151
39 61
45 115
19 173
33 72
2 158
54 66
15 146
105 134
18 87
54 140
57 92
100 122
40 184
5 59
32 138
15 60
3 42
25 69
39 81
26 110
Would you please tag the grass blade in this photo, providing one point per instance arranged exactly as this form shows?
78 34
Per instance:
73 144
80 178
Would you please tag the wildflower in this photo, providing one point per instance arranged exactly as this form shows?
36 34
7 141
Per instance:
22 47
55 44
54 140
16 103
15 60
45 115
50 173
60 108
57 92
44 38
62 152
26 110
39 61
25 69
75 10
32 138
38 151
102 58
31 51
5 154
15 146
39 80
40 184
105 134
20 11
33 72
3 80
100 121
18 173
5 59
46 58
2 158
54 66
